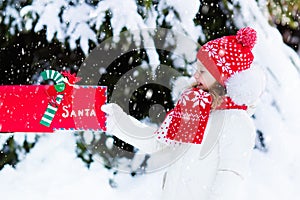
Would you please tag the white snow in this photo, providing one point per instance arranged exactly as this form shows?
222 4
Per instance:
274 174
52 171
3 138
185 33
48 12
11 12
72 25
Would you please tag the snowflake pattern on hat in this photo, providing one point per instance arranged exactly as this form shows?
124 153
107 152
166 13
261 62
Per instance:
186 123
230 54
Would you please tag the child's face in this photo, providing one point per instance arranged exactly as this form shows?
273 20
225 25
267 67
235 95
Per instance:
204 79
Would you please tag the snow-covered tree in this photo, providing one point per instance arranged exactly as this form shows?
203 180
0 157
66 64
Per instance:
61 34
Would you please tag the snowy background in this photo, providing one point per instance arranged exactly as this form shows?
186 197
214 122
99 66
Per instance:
53 170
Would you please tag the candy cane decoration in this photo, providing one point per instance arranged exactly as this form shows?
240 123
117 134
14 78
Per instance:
50 112
58 78
59 87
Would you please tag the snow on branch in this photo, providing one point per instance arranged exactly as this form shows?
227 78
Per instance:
78 22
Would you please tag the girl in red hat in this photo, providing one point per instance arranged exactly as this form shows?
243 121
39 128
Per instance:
212 116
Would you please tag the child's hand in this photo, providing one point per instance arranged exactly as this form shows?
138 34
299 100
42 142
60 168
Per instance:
120 123
111 109
180 84
129 129
114 113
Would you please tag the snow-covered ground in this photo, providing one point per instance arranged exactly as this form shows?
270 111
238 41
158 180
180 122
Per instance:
53 171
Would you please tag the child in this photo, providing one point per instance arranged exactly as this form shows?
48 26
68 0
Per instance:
223 134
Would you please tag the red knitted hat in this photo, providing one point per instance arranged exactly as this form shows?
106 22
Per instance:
228 55
228 59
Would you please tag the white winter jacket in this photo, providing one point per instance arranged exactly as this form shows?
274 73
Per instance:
217 176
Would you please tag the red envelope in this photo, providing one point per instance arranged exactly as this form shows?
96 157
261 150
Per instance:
23 107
